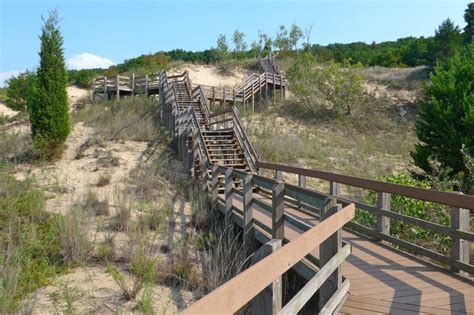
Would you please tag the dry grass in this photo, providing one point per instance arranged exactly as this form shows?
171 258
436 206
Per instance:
124 120
397 78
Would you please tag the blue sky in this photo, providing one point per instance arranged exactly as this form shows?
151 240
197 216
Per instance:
109 31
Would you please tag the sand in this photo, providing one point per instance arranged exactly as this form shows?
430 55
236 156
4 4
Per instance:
211 75
5 111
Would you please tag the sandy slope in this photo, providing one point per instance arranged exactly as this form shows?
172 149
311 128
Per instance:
5 111
211 75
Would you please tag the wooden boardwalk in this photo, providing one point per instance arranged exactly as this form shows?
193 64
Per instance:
383 280
374 278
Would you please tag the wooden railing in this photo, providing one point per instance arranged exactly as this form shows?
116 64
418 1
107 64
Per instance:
238 291
460 205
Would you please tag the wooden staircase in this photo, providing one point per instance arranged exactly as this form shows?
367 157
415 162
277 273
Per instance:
216 143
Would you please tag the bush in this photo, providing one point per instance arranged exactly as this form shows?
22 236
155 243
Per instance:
414 208
49 108
19 90
335 86
445 126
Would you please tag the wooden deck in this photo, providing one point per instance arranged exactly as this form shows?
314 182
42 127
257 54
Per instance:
384 280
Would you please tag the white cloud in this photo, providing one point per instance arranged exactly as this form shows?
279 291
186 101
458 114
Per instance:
4 76
88 61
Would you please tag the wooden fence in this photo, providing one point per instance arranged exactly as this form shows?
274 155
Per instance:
459 204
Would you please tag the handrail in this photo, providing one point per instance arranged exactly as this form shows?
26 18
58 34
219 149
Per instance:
441 197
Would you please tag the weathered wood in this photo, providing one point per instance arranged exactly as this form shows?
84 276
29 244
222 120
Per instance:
133 85
441 197
383 222
215 186
328 249
278 207
146 85
117 88
235 293
269 301
460 247
279 176
301 183
334 189
310 288
229 182
248 211
274 89
93 92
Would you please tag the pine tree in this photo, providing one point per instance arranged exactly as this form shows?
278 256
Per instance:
446 42
49 115
469 28
445 126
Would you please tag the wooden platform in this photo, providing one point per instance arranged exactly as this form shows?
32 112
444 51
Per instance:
384 280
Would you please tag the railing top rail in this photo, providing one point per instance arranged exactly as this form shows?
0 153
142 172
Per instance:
441 197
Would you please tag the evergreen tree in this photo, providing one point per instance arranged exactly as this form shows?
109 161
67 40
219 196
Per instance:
49 115
446 42
445 126
469 28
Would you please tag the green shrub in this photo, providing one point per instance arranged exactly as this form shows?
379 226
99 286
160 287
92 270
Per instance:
335 86
49 108
445 126
19 89
414 208
29 238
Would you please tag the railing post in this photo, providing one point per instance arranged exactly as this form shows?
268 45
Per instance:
253 97
214 186
278 176
383 222
146 85
93 92
269 301
117 85
229 183
106 92
281 87
301 183
274 89
248 212
334 189
459 247
223 92
189 154
260 90
233 97
213 96
327 250
204 175
266 85
133 85
278 215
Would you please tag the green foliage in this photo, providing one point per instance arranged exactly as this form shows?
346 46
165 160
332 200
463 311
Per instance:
222 47
446 42
469 28
240 46
48 110
445 126
30 245
83 78
414 208
19 90
334 86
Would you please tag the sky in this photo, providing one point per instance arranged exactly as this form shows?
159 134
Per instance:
102 33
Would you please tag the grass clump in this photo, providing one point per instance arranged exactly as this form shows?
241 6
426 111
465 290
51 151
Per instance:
92 204
31 245
104 180
75 246
16 148
127 119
